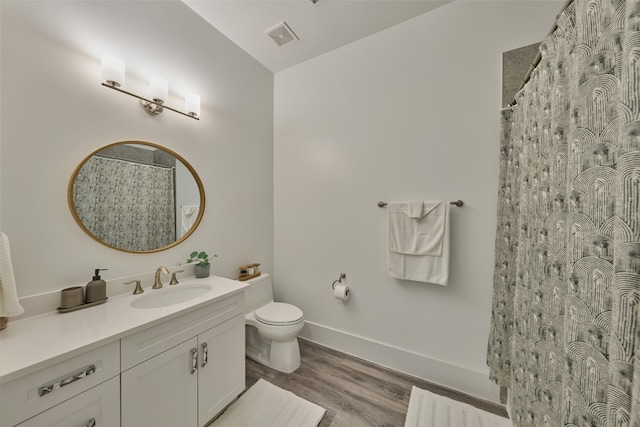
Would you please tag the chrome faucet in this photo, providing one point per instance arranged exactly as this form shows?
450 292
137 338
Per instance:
157 284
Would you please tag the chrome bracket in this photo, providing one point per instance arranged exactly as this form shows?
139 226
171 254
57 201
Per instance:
342 276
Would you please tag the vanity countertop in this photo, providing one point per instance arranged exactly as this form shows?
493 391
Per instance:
40 341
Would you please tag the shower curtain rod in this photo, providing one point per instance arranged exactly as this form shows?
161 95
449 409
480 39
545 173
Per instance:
538 57
139 162
455 202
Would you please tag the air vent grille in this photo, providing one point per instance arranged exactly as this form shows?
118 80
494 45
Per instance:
282 34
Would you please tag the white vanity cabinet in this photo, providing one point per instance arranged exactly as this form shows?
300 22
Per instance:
116 364
184 371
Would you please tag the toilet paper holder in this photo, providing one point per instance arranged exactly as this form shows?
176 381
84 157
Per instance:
339 280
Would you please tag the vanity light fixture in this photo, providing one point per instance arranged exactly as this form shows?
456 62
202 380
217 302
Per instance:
113 78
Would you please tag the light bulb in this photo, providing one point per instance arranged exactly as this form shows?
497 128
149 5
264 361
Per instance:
158 89
112 70
192 104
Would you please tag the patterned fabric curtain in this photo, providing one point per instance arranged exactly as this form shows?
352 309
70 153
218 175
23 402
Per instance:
127 205
565 334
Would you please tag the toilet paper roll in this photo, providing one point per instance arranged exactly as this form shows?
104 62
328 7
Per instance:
341 292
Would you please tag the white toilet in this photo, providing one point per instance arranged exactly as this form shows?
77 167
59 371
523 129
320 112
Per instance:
271 331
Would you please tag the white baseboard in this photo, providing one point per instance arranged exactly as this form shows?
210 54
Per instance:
436 371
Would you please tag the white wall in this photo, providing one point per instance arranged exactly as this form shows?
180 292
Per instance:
55 113
408 113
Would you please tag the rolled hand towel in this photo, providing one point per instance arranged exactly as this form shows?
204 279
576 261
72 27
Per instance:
9 305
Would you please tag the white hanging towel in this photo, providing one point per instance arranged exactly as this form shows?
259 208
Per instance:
9 305
189 215
418 241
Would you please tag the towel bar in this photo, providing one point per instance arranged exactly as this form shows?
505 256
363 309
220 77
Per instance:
458 203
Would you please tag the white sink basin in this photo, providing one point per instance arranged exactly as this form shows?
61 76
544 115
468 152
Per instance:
170 296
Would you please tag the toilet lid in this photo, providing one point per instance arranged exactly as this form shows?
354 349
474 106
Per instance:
278 313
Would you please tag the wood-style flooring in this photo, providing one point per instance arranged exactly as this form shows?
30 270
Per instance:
355 393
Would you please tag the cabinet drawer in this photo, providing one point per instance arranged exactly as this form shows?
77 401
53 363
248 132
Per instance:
32 394
96 407
145 344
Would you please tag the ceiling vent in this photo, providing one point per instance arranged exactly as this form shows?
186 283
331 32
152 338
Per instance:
282 34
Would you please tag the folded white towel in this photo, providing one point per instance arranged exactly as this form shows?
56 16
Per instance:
189 216
9 305
418 248
416 227
413 208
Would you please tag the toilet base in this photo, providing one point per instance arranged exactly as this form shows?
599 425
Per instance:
283 356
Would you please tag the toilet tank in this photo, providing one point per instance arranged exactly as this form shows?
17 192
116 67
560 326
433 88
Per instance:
259 292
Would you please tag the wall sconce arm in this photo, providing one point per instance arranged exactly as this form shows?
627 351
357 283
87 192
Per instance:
150 106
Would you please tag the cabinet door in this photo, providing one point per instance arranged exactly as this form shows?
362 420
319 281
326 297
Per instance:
96 407
222 367
162 392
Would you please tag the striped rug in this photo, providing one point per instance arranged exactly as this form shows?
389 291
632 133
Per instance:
265 405
427 409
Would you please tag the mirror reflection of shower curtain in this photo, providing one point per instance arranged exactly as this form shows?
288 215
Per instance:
126 204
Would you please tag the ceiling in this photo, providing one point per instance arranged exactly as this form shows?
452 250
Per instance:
320 27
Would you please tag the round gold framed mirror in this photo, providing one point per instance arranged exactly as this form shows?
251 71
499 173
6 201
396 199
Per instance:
136 196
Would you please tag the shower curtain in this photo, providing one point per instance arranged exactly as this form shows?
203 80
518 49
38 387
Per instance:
565 333
127 205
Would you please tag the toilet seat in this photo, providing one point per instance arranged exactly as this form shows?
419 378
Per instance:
278 314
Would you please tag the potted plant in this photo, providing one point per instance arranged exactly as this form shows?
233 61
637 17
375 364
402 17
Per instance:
202 267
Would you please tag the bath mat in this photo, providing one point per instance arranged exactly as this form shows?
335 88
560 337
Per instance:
427 409
265 405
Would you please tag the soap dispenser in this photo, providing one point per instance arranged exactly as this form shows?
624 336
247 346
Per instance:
96 289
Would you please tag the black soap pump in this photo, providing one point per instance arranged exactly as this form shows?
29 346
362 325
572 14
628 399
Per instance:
96 289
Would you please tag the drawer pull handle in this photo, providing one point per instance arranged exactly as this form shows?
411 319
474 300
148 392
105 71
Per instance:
205 355
84 372
194 360
91 423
